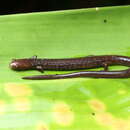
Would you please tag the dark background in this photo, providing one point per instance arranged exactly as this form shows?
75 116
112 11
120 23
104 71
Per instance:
24 6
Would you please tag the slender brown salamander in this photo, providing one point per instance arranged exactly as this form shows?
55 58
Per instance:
74 64
70 63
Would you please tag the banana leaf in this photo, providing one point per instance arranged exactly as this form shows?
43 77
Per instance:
66 104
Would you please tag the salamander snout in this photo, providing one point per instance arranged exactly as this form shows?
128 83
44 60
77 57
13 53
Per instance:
21 64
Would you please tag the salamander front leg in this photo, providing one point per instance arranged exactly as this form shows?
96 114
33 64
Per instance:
34 57
37 66
105 65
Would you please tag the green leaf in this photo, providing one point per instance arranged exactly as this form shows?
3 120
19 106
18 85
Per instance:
68 104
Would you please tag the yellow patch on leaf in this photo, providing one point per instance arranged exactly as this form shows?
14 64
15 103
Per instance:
114 123
14 89
42 126
97 105
22 104
121 124
105 118
121 91
2 107
63 114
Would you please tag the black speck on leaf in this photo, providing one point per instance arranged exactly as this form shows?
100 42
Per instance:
93 113
104 20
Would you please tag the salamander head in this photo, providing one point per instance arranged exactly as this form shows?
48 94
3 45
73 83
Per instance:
21 64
